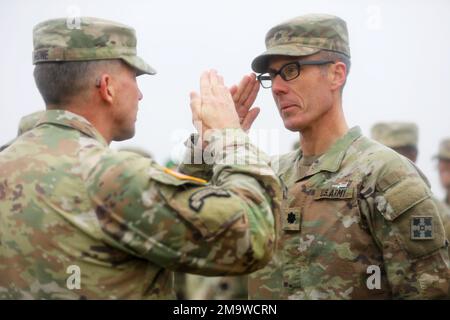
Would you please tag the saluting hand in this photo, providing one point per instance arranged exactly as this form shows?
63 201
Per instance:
244 95
213 108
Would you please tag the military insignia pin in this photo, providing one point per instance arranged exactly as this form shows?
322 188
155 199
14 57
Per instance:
422 228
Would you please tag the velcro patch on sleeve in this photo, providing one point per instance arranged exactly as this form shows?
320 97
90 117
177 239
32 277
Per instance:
197 199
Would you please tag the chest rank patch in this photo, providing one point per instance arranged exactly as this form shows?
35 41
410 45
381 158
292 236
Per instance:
197 199
291 219
422 228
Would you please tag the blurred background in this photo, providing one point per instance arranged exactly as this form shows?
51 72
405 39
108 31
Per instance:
400 64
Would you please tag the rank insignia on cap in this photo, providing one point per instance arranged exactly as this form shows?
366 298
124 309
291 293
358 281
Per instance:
422 228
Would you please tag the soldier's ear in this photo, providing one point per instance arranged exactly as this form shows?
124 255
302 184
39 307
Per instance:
338 75
105 88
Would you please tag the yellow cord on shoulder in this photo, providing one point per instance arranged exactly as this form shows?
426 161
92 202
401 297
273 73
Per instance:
183 176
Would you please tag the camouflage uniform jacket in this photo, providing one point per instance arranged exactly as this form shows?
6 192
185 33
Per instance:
67 199
359 209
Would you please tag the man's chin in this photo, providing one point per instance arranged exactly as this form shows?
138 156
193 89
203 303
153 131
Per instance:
125 136
292 126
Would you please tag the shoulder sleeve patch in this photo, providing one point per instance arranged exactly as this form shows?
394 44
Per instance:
402 196
196 200
210 209
412 217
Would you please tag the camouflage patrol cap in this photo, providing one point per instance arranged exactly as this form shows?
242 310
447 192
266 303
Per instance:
444 150
93 39
396 134
303 36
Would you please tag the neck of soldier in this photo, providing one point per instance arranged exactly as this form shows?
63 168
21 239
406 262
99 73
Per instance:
96 114
320 135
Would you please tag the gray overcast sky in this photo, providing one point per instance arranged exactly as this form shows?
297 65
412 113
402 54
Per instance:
400 63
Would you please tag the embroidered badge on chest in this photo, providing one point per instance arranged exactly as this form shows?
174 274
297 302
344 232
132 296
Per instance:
291 219
340 190
422 228
197 199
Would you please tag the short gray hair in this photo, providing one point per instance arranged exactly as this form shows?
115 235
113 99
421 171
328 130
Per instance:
59 82
336 56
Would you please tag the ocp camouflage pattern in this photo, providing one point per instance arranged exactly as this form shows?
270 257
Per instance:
67 199
353 210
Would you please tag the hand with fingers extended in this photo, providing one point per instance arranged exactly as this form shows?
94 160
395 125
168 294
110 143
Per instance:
213 108
244 95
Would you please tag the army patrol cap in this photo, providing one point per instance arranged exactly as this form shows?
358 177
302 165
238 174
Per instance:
91 39
444 150
303 36
396 134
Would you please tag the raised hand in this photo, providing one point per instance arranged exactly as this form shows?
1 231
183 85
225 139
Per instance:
213 108
244 95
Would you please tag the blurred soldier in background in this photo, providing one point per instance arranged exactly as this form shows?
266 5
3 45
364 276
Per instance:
444 168
402 137
443 157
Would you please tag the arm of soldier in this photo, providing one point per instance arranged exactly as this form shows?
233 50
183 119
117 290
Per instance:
244 95
193 163
445 215
406 224
185 224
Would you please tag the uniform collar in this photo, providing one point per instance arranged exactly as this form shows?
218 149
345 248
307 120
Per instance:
61 118
332 159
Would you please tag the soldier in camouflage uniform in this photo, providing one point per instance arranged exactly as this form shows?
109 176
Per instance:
444 174
444 168
443 157
80 220
358 221
403 137
25 124
219 288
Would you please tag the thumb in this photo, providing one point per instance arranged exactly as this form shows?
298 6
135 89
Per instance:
196 108
196 104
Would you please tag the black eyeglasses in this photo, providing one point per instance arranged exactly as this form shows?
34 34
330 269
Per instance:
288 72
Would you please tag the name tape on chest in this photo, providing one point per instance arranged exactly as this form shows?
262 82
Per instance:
340 190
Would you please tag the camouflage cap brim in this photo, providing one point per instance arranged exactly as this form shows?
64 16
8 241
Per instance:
444 150
261 62
94 39
139 64
441 157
